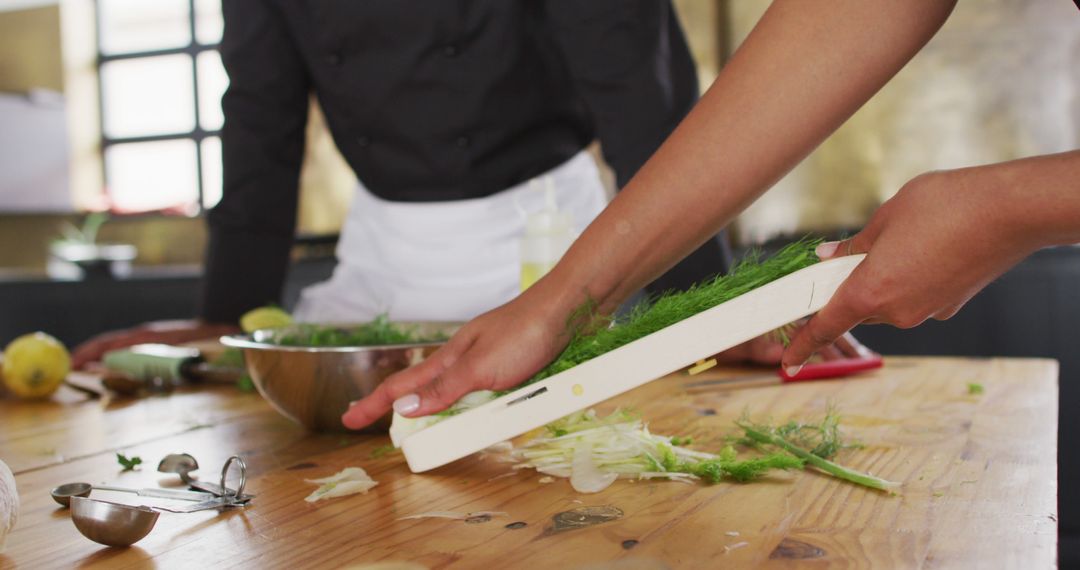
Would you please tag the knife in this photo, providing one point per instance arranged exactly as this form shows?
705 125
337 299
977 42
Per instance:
826 370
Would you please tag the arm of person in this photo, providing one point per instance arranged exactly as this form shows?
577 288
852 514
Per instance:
805 68
630 64
941 239
251 229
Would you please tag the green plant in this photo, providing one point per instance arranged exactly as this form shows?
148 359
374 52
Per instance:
87 232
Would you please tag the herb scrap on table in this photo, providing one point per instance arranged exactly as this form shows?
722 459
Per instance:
128 463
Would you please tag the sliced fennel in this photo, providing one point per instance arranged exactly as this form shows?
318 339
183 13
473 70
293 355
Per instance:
593 451
348 481
401 426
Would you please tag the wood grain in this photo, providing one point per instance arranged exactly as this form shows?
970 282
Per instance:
978 472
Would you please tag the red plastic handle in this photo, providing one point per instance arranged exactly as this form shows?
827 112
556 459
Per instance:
833 368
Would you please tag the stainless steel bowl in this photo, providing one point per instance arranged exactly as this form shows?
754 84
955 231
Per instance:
313 385
112 524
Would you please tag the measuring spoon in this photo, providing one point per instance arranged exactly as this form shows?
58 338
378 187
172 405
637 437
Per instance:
64 493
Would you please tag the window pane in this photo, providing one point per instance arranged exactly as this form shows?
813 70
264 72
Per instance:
152 175
212 84
141 25
208 22
211 170
148 96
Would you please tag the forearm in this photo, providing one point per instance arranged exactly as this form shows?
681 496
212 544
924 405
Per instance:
251 229
1037 198
805 68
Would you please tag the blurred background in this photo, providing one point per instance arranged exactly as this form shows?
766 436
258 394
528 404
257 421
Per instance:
109 156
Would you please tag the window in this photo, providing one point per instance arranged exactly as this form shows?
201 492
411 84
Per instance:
161 82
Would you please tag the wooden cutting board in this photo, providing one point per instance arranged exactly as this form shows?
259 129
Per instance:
979 474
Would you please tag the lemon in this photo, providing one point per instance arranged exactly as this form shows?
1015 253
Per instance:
264 318
35 365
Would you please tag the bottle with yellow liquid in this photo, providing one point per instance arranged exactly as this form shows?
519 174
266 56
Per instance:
548 234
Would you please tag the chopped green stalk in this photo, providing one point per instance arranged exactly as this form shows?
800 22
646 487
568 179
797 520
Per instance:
714 470
975 389
825 465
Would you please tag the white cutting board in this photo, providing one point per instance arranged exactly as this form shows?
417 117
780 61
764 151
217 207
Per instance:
745 317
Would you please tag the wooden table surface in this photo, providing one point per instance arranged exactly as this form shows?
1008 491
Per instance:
978 473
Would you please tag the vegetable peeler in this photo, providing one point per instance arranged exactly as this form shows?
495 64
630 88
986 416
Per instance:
749 315
168 364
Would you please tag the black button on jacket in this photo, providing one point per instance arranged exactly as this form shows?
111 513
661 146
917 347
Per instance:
430 100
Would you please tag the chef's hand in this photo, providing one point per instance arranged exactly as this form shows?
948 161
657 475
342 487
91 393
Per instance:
164 332
932 247
505 347
768 349
497 350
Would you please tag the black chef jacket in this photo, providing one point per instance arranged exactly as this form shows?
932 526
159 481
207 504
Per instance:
431 100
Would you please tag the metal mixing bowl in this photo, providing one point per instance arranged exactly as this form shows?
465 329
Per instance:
313 385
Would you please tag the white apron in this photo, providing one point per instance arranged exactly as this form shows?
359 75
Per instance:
441 261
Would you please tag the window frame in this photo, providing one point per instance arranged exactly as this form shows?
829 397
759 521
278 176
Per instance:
197 135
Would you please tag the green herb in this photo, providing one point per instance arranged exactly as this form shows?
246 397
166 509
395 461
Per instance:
769 436
234 358
229 358
128 463
383 450
783 334
728 465
379 332
245 383
821 438
975 389
681 441
591 339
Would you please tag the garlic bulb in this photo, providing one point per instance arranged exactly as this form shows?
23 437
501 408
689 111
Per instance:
9 503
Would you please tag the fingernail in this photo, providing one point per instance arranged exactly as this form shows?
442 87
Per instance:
793 370
406 405
353 403
827 249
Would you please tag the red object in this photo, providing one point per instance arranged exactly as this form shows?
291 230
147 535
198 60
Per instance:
833 368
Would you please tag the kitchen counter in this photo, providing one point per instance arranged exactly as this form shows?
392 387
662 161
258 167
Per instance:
978 472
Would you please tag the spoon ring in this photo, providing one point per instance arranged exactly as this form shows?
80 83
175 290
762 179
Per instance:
243 475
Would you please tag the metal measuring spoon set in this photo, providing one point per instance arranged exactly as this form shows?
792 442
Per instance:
115 524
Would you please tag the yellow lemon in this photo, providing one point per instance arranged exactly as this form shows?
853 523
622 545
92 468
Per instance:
35 365
264 318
